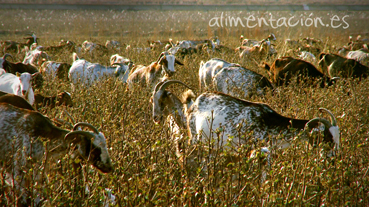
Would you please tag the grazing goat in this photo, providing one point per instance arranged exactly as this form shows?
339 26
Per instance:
86 73
362 55
257 51
92 48
19 84
219 116
209 69
150 75
112 45
15 46
55 69
22 149
63 98
338 66
35 56
355 44
118 59
157 45
239 81
67 46
284 69
251 42
307 56
19 67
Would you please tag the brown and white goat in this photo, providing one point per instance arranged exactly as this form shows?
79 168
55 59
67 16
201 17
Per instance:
22 146
14 68
55 69
257 51
62 99
233 116
8 45
150 75
67 46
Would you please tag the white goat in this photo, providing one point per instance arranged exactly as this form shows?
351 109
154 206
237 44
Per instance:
307 56
209 69
35 56
239 81
19 84
118 59
86 73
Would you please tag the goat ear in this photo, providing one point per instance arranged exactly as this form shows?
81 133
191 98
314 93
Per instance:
178 62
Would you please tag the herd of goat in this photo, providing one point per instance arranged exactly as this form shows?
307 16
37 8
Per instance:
21 124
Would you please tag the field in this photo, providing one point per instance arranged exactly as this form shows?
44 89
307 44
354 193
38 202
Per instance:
147 171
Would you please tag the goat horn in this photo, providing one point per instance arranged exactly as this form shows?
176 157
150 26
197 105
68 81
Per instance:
86 125
6 55
326 123
160 56
158 86
333 119
166 84
73 134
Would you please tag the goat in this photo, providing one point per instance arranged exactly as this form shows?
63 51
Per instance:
338 66
20 140
355 44
155 45
130 49
19 84
55 69
86 73
307 56
149 75
251 42
284 69
239 81
187 44
35 56
19 67
63 98
67 46
91 47
118 59
258 51
15 46
209 69
362 55
223 115
112 45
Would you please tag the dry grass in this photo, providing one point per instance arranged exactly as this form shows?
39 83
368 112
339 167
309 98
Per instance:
147 172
